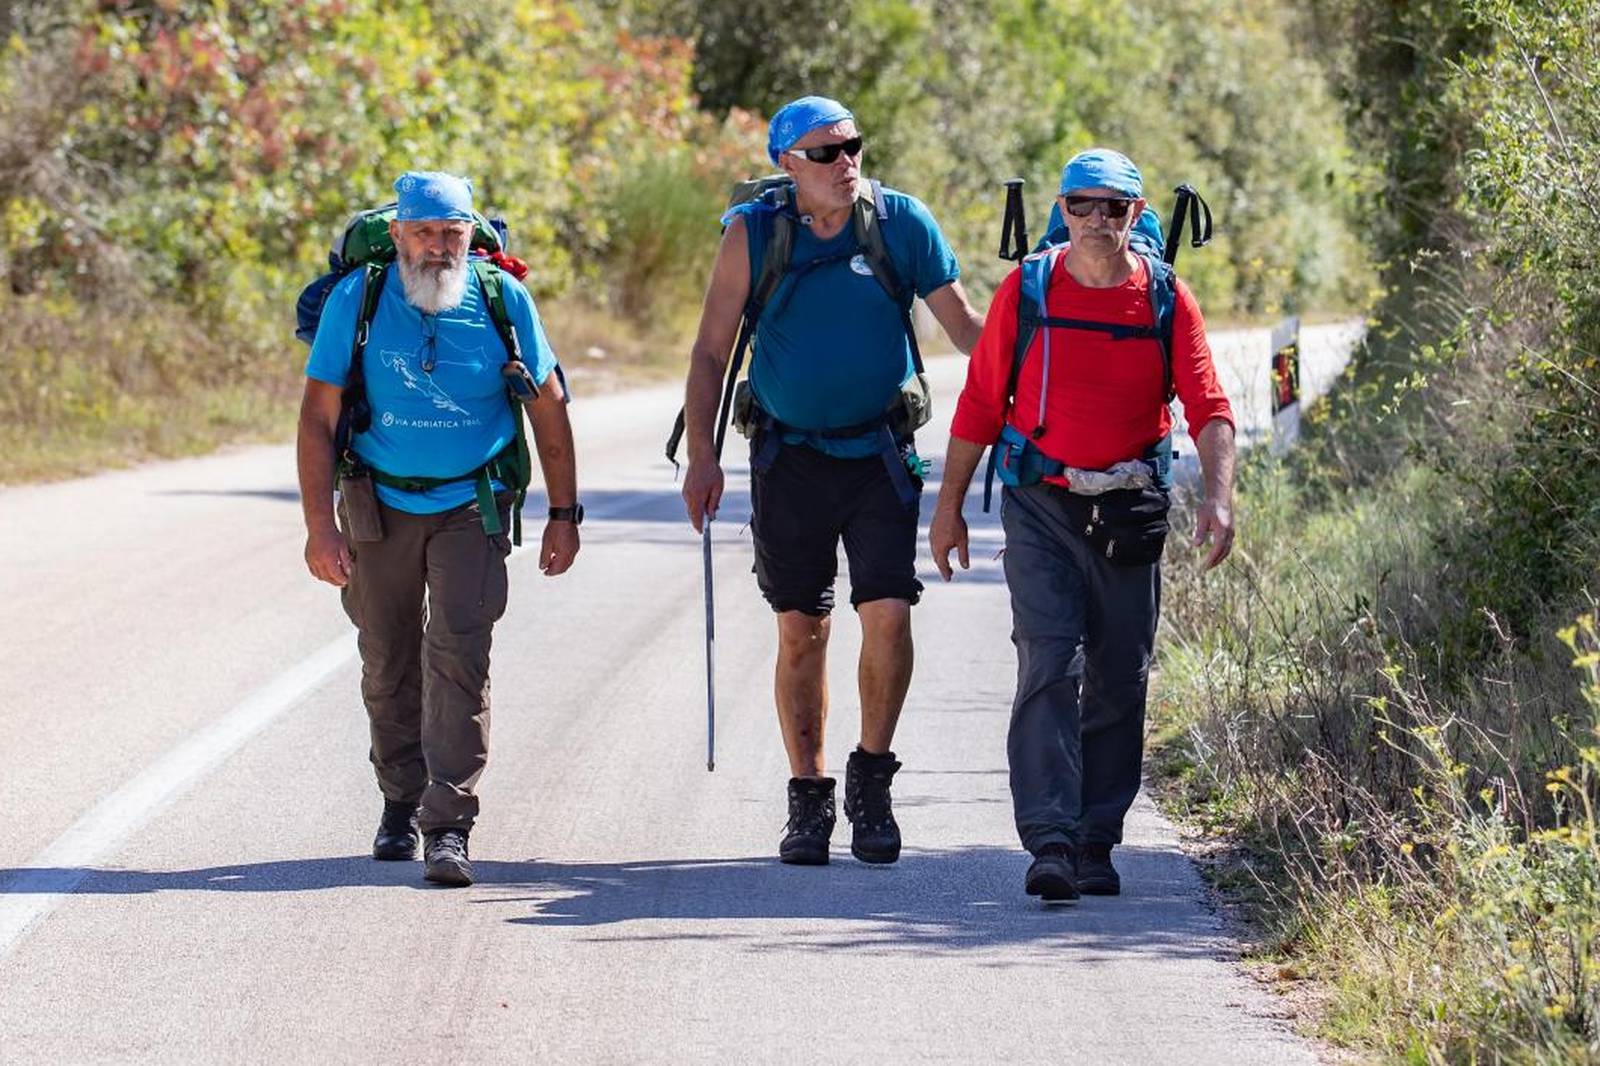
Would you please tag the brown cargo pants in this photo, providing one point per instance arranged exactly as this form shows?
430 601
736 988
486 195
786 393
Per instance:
424 600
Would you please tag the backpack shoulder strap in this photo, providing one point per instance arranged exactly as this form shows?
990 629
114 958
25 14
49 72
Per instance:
355 413
492 281
515 467
777 250
1037 270
373 275
1163 309
867 219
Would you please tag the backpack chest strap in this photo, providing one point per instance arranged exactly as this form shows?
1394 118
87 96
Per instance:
1115 331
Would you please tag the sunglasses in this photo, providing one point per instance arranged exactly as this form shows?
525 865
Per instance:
1110 206
827 153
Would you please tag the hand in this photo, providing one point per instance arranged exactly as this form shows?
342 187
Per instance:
948 530
702 491
1214 518
328 557
558 547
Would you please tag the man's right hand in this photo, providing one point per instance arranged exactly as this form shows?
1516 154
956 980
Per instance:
328 557
948 530
702 491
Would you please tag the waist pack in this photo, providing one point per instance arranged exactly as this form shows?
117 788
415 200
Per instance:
1126 526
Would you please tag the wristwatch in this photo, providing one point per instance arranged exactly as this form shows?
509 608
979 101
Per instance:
573 514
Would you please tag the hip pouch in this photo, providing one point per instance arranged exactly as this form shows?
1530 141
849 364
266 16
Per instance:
1126 526
746 415
360 500
912 407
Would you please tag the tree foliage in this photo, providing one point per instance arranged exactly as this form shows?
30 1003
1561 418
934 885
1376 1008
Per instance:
189 160
954 99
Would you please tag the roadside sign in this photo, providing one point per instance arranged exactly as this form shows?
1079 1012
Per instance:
1285 382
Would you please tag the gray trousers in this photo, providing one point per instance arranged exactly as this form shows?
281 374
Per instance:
424 600
1084 628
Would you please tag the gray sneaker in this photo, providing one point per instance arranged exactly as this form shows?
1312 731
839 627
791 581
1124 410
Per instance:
445 855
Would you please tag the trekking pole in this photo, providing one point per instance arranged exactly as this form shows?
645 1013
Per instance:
1192 208
721 434
711 667
1014 227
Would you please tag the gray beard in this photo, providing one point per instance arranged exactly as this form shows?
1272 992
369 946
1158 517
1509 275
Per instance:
432 289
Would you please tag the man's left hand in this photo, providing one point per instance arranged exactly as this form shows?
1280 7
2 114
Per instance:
1214 521
558 547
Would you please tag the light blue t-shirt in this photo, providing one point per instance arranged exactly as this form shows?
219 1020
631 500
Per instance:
830 349
430 423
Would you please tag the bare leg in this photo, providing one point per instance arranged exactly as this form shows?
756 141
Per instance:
801 688
884 673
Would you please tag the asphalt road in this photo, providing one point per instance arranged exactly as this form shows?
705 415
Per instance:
188 809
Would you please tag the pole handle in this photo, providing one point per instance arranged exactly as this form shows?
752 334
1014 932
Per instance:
1014 227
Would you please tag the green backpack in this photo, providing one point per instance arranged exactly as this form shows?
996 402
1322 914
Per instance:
365 245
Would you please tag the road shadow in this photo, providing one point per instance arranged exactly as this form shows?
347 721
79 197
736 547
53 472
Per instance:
952 901
281 495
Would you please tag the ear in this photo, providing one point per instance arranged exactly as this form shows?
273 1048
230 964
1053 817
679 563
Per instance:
787 164
394 230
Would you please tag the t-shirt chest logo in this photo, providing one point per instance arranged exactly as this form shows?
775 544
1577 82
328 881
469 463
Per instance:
858 263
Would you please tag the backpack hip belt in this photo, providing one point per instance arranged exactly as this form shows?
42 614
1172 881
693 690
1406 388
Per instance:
510 467
1018 462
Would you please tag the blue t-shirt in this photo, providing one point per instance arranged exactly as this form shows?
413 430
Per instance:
830 349
430 423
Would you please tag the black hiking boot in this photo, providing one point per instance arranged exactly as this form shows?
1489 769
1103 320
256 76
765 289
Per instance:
874 836
811 818
397 833
1052 876
1096 875
446 858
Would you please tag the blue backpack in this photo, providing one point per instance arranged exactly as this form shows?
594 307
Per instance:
1014 457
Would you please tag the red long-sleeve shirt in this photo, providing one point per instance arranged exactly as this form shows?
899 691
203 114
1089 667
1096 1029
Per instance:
1105 400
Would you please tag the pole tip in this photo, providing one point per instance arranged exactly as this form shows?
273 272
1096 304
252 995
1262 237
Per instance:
710 766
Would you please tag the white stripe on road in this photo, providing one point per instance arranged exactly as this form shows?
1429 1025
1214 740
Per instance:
30 893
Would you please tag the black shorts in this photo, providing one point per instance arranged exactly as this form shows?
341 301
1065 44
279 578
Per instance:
804 504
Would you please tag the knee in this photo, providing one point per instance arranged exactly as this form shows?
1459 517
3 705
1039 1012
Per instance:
801 635
1042 663
886 619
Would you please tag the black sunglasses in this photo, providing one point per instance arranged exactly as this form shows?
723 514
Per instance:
827 153
1112 206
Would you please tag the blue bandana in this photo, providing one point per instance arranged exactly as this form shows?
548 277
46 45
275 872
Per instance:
432 195
799 117
1101 168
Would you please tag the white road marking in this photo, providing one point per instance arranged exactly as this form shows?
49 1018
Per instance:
31 892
